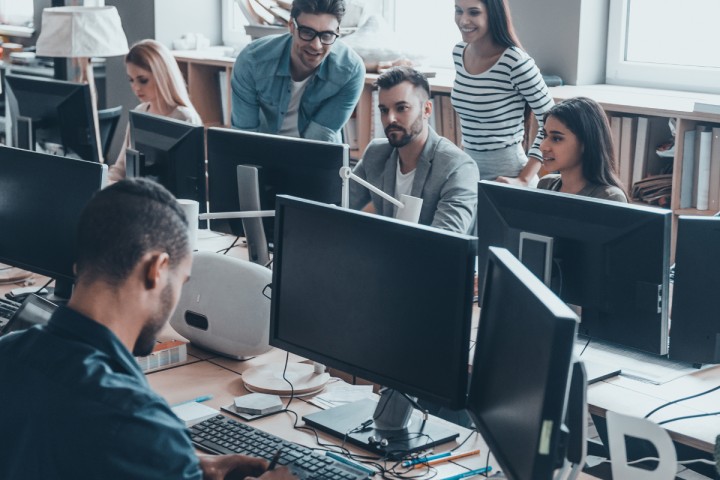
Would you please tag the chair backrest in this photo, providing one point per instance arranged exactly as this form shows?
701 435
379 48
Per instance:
107 123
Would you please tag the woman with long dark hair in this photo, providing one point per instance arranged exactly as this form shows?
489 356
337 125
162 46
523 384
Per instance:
579 146
495 81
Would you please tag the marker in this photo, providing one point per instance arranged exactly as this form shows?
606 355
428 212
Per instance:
346 461
448 458
410 463
201 399
274 460
469 473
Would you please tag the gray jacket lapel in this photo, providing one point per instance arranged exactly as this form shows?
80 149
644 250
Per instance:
389 183
424 163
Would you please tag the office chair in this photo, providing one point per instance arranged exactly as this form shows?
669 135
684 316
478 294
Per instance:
107 123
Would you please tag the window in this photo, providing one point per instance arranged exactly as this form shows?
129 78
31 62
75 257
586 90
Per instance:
427 28
16 12
665 44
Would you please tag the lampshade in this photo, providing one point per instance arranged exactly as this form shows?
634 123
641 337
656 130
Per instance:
73 32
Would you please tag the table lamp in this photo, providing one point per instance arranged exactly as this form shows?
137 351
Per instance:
81 33
408 207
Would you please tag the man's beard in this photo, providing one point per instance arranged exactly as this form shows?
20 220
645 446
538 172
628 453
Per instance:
406 137
148 335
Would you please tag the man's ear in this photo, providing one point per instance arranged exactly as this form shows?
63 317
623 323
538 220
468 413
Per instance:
154 268
428 108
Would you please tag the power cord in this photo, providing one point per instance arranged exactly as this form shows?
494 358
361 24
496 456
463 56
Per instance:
682 400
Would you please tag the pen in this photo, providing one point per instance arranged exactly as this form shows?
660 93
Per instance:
448 458
410 463
356 465
203 398
275 458
469 473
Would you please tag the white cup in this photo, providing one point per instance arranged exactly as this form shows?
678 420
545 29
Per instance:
411 211
191 208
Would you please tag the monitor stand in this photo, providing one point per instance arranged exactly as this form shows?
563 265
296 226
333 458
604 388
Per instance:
395 439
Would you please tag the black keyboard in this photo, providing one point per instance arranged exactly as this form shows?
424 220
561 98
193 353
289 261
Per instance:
222 435
7 309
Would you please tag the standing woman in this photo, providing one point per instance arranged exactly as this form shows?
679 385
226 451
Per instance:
495 79
156 80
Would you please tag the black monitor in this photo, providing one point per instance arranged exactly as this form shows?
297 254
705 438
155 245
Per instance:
286 165
41 198
378 298
609 258
695 329
51 113
170 152
521 370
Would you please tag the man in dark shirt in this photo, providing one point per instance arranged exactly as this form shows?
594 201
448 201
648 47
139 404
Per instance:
73 401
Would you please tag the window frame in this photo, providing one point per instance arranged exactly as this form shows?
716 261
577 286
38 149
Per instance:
622 72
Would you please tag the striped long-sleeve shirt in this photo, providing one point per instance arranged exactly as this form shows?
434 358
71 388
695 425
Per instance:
491 104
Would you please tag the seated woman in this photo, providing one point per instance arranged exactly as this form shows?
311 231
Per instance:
578 145
156 80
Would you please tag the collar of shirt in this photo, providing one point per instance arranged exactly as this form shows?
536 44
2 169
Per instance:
69 323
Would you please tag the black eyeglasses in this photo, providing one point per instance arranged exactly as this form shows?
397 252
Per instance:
308 34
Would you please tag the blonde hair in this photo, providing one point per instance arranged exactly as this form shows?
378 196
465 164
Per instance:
156 58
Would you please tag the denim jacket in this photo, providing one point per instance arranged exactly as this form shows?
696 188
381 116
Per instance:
261 89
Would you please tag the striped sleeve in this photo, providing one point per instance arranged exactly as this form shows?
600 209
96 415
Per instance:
526 78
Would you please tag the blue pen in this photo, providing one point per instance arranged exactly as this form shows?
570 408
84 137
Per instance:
469 473
356 465
410 463
203 398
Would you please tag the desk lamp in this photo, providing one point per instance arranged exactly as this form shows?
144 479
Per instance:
408 207
81 33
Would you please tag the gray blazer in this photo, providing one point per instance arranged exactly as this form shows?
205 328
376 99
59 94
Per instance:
446 179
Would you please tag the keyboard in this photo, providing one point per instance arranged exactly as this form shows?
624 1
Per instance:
7 310
222 435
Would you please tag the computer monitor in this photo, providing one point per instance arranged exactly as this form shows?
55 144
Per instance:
379 298
286 165
51 113
521 369
170 152
41 198
609 258
695 326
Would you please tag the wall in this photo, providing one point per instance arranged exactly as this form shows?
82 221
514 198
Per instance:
565 37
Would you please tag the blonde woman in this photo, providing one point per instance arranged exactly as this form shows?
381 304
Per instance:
157 82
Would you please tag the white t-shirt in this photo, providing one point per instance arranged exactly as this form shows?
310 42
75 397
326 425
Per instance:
289 126
403 183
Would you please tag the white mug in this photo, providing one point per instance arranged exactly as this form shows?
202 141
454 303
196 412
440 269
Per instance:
191 208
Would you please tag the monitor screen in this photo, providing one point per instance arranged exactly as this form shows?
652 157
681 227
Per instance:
609 258
51 113
375 297
41 198
695 332
521 369
286 165
171 152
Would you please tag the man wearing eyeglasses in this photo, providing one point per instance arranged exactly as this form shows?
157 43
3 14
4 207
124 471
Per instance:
300 84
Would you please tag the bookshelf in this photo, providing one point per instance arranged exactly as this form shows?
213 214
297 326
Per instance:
212 98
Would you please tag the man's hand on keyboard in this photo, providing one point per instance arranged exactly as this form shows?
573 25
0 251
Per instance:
239 467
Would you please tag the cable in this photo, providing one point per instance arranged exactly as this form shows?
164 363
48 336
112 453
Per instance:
682 400
686 417
224 251
463 442
656 459
586 345
37 292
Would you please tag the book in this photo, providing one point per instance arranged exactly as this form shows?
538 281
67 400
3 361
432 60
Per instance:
223 85
703 107
163 355
641 149
714 191
194 412
688 170
627 147
449 118
616 132
703 170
